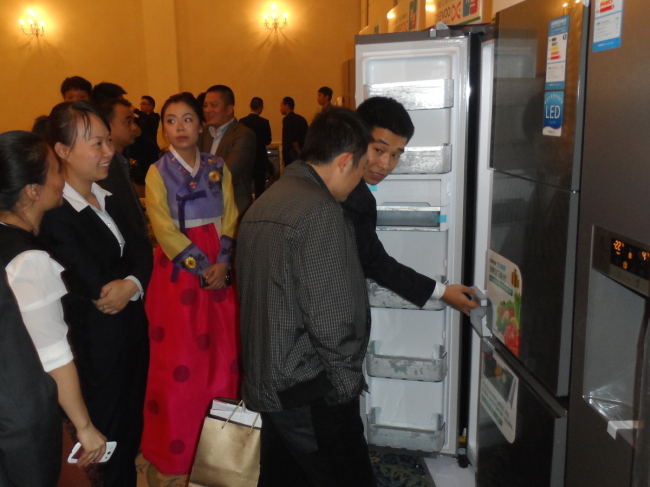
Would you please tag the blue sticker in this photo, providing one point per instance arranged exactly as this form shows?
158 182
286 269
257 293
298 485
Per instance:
556 53
553 113
608 22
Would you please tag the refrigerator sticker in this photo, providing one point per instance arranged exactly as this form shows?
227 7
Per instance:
499 394
504 290
553 113
558 37
608 20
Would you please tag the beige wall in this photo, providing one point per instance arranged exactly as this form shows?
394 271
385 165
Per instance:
99 40
182 45
231 46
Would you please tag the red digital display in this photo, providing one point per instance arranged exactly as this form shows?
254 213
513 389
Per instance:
630 258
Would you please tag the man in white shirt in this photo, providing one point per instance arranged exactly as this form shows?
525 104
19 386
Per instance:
235 143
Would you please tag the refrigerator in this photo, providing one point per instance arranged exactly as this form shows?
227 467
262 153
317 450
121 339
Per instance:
608 439
487 193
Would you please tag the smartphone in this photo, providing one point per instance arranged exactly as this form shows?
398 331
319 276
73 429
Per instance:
77 451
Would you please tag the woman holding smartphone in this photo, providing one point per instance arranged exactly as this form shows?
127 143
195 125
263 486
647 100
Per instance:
192 309
108 265
30 184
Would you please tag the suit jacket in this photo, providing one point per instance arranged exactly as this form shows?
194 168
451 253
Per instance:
90 253
294 129
262 130
237 148
361 207
118 183
30 421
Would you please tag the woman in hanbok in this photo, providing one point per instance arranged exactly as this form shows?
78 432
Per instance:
191 304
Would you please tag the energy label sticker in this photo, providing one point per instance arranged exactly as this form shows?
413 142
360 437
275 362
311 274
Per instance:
608 20
558 39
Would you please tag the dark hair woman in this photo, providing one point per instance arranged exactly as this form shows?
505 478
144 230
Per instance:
191 308
108 265
30 184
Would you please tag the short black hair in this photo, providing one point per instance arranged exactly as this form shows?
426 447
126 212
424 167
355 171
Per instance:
105 91
62 122
288 101
327 91
107 109
40 126
149 99
226 93
387 113
256 103
334 132
188 99
76 83
23 161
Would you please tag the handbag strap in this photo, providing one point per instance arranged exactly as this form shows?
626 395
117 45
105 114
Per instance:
235 410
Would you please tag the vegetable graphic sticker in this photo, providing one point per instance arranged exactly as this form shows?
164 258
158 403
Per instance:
504 287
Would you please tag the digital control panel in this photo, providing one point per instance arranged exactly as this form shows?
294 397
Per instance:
623 259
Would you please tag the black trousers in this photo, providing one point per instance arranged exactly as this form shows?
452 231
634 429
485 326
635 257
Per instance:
315 445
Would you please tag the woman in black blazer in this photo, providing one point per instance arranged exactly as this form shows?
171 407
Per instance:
108 265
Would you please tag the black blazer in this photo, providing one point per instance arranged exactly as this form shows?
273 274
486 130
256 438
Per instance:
262 130
90 253
361 207
30 419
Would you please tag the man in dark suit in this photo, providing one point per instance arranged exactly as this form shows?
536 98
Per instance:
391 129
124 130
148 120
30 421
262 130
294 130
235 143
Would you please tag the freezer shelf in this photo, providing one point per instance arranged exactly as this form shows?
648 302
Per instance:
432 369
408 216
380 297
415 95
405 435
425 160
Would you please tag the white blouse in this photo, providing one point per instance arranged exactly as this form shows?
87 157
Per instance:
35 280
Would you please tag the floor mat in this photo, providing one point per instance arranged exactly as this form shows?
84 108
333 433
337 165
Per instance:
393 470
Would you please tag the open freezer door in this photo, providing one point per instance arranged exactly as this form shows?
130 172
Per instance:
412 366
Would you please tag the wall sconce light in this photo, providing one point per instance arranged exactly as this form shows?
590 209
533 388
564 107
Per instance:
31 27
273 22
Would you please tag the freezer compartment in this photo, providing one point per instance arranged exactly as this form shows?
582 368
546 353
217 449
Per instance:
413 190
405 435
380 297
430 369
426 252
425 160
522 434
415 95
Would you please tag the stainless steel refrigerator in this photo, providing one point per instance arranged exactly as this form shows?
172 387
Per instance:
608 415
487 194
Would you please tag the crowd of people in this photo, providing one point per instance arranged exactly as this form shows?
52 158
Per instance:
250 292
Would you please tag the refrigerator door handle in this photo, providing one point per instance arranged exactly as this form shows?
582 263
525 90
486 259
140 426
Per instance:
481 316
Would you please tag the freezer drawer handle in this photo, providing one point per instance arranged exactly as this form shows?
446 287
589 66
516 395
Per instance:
481 317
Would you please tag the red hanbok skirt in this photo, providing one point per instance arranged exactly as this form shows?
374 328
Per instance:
194 337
